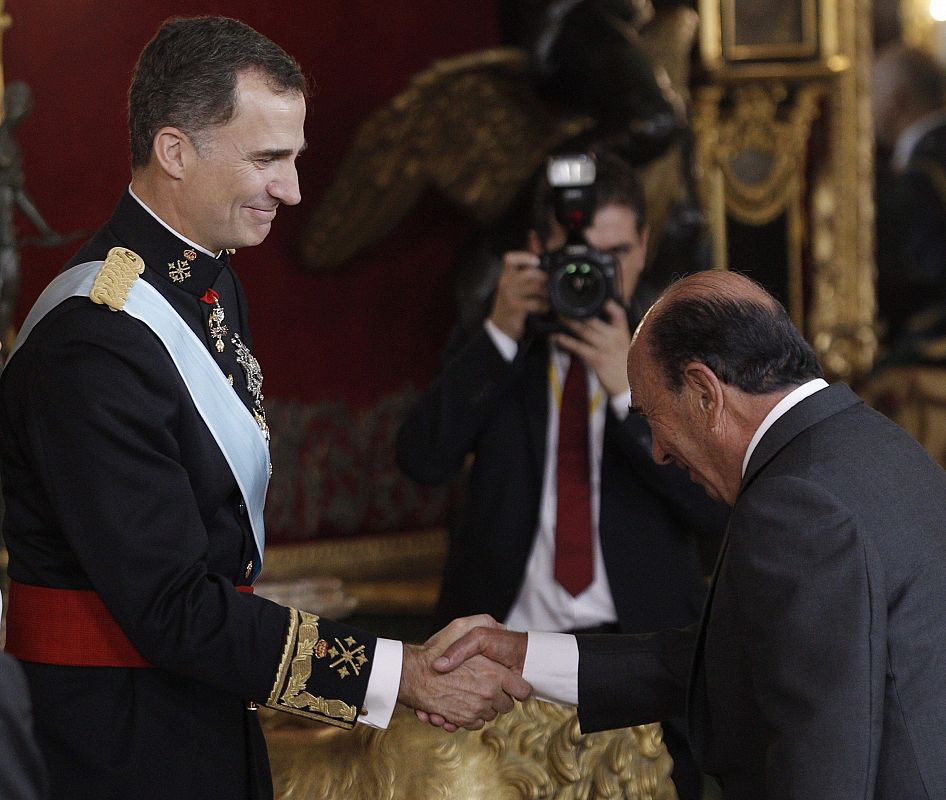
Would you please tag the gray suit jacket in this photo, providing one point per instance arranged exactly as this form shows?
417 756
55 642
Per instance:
819 668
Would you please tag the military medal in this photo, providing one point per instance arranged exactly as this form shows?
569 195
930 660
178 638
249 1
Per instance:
251 367
215 322
254 381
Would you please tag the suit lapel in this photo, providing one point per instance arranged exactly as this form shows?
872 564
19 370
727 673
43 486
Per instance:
536 397
808 412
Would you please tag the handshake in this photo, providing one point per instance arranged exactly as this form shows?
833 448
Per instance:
466 674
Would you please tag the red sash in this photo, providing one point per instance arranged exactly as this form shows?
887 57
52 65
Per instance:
69 627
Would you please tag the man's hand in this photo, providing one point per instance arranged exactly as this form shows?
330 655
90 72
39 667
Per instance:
522 290
601 344
467 695
494 642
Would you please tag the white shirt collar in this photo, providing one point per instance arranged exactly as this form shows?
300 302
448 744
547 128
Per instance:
178 234
793 398
910 137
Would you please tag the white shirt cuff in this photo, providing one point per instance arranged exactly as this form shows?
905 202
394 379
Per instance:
552 667
621 405
383 684
507 346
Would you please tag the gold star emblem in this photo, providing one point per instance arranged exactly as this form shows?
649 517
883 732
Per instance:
352 657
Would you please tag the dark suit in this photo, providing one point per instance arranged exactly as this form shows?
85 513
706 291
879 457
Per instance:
819 664
114 483
650 516
911 249
22 772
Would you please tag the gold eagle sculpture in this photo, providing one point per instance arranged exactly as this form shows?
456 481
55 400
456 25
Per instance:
475 129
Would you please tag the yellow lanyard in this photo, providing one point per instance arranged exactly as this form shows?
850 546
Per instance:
556 382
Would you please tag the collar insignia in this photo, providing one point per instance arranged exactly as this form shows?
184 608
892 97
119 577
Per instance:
179 270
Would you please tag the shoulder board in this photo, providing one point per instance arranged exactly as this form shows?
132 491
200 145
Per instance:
114 280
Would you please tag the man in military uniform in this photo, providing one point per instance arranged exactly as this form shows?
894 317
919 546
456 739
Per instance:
135 462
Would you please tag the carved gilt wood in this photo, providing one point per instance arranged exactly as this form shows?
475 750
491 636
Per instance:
753 124
535 751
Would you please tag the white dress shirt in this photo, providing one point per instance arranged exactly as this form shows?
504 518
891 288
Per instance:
542 603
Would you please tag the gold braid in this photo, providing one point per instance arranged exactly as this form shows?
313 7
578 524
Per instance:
118 273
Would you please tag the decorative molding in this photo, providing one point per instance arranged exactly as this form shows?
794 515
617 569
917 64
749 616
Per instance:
395 573
752 140
758 145
794 37
752 126
840 321
535 751
362 558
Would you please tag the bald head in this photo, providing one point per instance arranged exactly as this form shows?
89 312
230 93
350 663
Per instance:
908 85
708 362
732 325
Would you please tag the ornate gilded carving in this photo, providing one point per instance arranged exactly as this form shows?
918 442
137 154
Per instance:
915 398
759 146
536 751
384 557
752 125
840 320
752 140
763 39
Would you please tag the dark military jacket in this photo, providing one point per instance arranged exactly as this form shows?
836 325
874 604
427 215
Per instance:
114 483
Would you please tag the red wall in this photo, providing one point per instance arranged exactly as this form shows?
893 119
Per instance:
370 328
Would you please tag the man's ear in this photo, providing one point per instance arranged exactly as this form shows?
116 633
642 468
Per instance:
171 148
706 390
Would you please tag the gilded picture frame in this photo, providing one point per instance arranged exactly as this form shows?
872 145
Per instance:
766 30
790 36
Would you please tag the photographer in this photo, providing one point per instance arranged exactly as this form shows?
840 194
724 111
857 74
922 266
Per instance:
568 524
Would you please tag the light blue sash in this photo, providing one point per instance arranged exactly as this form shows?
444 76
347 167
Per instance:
239 437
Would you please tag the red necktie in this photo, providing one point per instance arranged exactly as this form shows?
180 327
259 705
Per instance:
573 556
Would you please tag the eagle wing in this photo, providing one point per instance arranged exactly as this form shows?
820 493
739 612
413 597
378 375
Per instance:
471 127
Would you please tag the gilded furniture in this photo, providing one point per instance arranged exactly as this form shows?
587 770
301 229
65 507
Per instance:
915 398
536 751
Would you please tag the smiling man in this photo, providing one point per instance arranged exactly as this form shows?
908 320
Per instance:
135 459
817 670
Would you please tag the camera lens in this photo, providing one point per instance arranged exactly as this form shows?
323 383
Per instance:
578 289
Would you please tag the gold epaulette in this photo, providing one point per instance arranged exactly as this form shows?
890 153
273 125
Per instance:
118 272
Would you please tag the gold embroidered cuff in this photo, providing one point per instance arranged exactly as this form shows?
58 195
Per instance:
290 690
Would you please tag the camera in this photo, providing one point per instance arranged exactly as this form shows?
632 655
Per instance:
581 279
